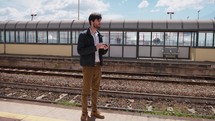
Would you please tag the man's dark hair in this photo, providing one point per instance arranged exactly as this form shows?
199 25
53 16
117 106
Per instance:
94 16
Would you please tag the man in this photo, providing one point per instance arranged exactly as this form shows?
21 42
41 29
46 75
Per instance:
91 49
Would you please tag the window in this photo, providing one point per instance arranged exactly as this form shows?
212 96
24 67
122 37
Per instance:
64 37
20 36
31 37
185 39
171 38
42 37
201 41
214 40
205 39
157 38
105 37
193 39
1 36
145 38
10 37
116 37
130 38
209 39
75 35
52 37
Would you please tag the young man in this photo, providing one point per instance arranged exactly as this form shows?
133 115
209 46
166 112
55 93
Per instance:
91 49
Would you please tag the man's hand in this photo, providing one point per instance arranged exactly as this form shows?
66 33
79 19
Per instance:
106 46
100 46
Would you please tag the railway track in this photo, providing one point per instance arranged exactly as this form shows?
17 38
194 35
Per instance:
109 99
107 72
113 100
109 93
114 76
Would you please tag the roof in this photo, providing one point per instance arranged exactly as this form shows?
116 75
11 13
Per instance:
113 25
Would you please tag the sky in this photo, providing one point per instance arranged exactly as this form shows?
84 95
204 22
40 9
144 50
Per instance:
110 9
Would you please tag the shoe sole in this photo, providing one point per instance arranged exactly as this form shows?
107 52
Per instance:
89 119
92 118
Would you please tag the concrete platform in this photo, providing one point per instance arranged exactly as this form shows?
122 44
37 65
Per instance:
13 110
8 119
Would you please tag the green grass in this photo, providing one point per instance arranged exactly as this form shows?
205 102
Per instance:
66 103
180 114
177 113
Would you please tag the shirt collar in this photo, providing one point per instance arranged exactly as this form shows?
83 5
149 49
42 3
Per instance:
96 32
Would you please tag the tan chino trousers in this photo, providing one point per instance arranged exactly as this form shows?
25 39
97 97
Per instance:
91 80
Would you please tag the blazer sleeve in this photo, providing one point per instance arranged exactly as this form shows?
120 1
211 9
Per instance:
102 51
84 47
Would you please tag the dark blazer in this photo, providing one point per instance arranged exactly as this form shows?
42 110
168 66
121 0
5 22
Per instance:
86 48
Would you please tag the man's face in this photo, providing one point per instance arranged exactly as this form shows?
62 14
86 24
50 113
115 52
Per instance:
97 23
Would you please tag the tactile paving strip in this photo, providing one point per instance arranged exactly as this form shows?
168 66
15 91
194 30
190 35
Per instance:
8 119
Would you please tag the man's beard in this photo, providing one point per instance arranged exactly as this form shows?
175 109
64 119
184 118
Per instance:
96 26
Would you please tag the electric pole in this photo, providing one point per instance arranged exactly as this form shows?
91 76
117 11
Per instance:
198 14
78 9
170 14
32 16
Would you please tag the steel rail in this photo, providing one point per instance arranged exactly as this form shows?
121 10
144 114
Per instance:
77 74
108 93
108 72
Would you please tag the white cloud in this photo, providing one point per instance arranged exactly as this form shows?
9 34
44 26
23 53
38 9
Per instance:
123 2
10 13
68 9
178 5
143 4
155 10
112 17
26 3
87 7
49 10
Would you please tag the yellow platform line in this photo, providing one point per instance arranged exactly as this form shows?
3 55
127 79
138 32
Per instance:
27 117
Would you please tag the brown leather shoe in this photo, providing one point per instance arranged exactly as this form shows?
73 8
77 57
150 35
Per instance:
85 117
97 114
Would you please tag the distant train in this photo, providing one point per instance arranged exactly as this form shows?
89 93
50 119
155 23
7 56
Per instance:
192 39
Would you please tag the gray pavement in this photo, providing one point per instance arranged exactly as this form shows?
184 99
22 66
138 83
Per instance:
11 110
